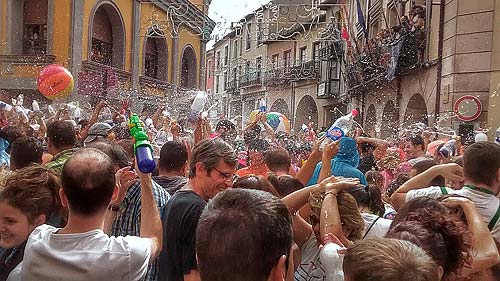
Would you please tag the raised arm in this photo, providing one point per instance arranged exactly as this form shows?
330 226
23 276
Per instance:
330 217
485 252
306 171
329 151
450 171
151 226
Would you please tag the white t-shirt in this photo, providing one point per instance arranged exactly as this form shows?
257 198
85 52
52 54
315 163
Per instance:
310 268
379 226
486 204
85 256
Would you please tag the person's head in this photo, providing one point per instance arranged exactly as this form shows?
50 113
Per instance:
24 152
173 157
29 197
482 164
98 132
278 161
227 130
114 151
384 259
212 166
414 147
257 183
399 180
350 217
10 133
375 177
60 136
369 197
256 150
256 245
285 184
424 165
442 234
88 182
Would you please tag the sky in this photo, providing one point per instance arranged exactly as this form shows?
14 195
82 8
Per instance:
223 12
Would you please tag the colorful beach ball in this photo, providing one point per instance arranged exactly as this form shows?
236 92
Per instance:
276 120
55 82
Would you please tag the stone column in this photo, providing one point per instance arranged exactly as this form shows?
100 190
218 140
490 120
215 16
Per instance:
136 39
50 26
76 48
175 60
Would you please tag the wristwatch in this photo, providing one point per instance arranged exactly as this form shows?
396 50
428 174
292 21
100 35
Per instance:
113 208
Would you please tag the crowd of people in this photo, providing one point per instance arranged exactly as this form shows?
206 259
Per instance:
250 204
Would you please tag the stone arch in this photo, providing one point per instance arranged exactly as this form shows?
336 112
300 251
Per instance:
188 68
416 111
307 111
280 106
107 35
371 121
155 55
390 121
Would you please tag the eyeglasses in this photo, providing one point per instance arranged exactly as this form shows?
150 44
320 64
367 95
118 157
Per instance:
226 176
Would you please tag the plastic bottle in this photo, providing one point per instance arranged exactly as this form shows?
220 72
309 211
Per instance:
331 260
262 105
197 107
142 148
5 106
35 106
340 128
22 114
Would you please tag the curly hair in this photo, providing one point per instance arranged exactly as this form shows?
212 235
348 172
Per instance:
34 190
444 236
350 217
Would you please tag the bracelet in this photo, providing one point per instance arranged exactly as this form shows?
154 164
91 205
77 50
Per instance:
331 193
113 208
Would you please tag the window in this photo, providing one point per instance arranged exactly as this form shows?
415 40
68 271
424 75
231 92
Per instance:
235 51
258 64
226 54
247 68
34 27
209 69
217 82
275 60
316 54
225 80
249 36
302 54
286 59
217 57
151 59
259 33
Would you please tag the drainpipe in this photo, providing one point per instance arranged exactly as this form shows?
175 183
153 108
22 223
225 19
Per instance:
437 106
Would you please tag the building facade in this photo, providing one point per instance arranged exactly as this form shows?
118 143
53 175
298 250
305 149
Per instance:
113 48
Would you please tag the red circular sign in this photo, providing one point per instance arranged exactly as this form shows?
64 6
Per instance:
468 108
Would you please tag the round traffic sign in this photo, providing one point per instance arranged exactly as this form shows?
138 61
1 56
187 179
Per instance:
468 108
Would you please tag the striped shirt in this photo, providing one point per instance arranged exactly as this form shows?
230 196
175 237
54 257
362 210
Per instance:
128 220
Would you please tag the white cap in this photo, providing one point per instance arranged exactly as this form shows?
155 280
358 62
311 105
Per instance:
480 137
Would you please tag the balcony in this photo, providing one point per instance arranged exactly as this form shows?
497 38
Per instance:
155 87
333 51
28 59
101 80
304 71
232 87
251 79
386 60
276 77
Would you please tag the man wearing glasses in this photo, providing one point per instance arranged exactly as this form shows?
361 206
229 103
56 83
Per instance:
211 169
